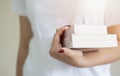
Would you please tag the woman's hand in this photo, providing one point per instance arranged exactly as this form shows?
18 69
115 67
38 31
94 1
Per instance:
79 59
66 55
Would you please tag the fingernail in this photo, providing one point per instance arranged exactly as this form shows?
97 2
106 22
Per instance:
67 26
56 30
61 51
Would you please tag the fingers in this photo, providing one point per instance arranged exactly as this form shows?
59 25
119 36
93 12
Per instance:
60 31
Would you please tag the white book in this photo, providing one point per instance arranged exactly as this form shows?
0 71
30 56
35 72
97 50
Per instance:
88 36
87 29
90 41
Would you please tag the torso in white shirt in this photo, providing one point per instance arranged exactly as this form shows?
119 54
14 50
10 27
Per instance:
48 15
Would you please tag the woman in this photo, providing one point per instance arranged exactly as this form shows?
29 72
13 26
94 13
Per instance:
39 20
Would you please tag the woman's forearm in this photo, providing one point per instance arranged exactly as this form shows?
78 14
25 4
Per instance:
85 59
22 54
103 55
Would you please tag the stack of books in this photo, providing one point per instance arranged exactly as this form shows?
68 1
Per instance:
88 36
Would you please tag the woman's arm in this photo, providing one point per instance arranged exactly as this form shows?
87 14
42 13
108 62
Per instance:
105 55
76 58
25 36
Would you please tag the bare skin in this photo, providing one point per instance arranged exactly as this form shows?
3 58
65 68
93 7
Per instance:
75 58
25 36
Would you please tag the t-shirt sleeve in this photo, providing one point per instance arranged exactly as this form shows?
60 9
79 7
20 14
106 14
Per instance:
112 12
19 7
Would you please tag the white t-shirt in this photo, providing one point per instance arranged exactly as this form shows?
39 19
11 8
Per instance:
48 15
